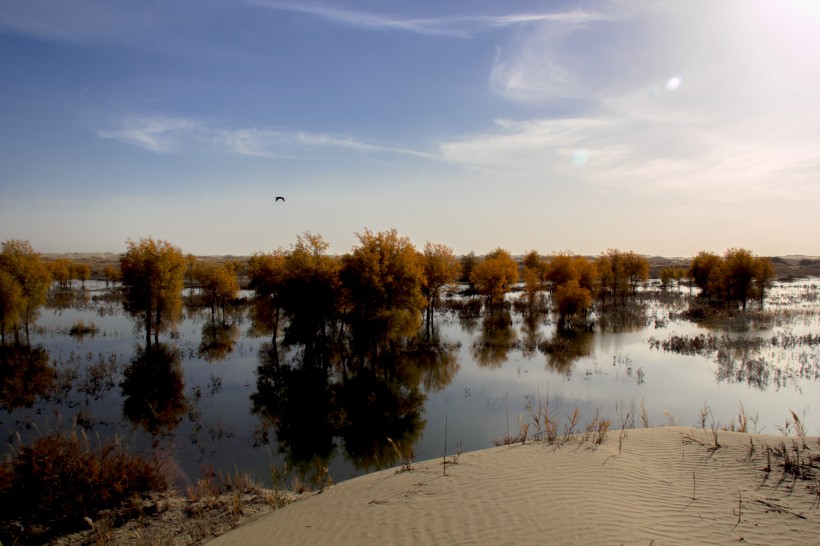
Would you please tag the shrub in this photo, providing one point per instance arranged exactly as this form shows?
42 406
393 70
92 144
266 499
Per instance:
50 486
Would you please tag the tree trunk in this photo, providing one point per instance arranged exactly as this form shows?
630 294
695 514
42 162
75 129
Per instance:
157 322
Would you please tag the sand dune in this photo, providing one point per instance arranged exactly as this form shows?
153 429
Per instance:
661 488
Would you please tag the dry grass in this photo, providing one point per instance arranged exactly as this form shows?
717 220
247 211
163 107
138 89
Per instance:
643 413
799 428
404 454
171 520
213 486
597 429
708 438
553 428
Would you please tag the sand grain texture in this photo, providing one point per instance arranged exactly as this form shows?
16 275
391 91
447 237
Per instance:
573 494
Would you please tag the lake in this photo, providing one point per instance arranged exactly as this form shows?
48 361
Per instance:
218 403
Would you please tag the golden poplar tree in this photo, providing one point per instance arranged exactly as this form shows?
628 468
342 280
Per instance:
441 267
152 280
382 278
494 276
219 285
30 274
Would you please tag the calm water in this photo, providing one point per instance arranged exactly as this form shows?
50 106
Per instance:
481 384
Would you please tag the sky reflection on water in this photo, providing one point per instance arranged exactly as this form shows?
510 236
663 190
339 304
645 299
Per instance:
207 409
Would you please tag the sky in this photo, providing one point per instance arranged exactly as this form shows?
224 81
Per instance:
663 127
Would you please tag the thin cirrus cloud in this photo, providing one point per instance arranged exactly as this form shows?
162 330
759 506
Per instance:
88 20
463 26
273 143
167 134
155 133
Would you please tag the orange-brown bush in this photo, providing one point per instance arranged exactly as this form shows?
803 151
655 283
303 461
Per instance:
50 486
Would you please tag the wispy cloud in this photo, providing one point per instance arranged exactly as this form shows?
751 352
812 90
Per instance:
318 139
660 150
167 134
131 22
276 143
155 133
450 25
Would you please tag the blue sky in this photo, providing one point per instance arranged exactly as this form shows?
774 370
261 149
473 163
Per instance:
660 127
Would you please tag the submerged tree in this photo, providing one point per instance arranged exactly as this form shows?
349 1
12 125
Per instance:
763 277
60 270
441 267
636 269
218 284
740 273
111 274
669 274
468 263
494 276
534 273
311 297
30 274
266 272
298 292
152 278
733 278
611 275
80 272
11 304
532 287
382 279
572 301
560 269
700 270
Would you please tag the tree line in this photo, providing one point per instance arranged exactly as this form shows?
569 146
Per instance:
379 293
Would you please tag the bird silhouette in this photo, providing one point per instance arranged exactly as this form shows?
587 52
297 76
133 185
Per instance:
280 198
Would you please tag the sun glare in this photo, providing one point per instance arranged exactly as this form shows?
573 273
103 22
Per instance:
793 27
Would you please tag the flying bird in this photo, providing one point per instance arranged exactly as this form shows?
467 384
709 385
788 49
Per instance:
280 198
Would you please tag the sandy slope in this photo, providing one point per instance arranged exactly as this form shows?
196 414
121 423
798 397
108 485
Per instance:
573 494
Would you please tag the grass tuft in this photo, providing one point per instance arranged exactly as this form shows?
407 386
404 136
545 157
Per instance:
404 454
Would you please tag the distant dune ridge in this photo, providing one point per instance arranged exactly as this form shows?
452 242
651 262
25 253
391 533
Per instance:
666 485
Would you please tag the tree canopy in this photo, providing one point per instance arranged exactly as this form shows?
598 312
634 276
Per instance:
735 277
440 267
152 279
383 278
29 274
494 276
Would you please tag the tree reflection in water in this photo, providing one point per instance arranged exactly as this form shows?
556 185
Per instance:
25 375
297 402
496 340
152 389
355 405
631 318
565 347
60 300
217 341
377 405
435 363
